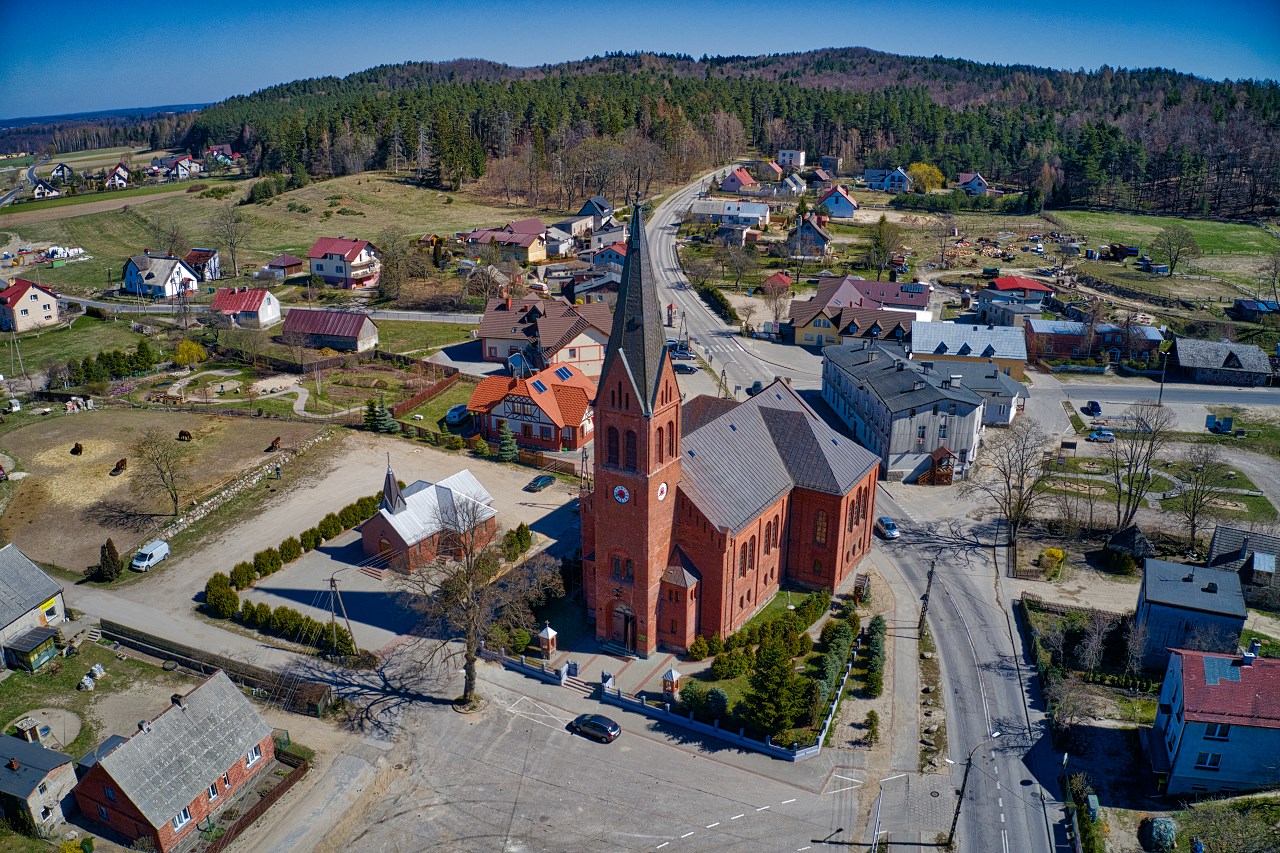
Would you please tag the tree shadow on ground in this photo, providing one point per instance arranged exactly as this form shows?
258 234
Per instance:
1115 764
122 515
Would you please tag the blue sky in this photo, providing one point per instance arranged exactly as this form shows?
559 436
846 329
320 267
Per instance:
140 53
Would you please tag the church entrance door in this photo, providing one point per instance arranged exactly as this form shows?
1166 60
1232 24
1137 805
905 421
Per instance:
624 627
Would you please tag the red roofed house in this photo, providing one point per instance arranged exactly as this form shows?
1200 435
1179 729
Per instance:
524 240
244 307
1217 726
348 331
737 180
972 183
285 266
839 202
205 263
897 295
350 263
26 305
1011 290
117 178
547 332
614 254
550 410
778 279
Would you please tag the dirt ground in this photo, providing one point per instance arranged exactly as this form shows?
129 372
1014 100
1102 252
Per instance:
26 217
88 503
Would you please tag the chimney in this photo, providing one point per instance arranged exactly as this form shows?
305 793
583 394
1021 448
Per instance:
901 365
1244 549
178 701
508 299
144 726
1211 588
13 764
946 383
1251 653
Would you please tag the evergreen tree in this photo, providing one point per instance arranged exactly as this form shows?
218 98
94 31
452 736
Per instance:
144 357
777 694
508 450
109 563
371 415
384 421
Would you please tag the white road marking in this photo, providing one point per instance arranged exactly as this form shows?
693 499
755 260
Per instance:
686 835
1002 818
997 784
891 778
712 825
1004 839
846 778
846 788
798 849
663 844
735 817
762 808
783 803
1000 801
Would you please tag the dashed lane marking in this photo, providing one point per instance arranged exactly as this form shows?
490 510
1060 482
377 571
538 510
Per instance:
686 835
713 825
735 817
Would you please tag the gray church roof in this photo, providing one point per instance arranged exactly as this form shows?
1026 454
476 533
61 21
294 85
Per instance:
22 585
1192 587
167 763
739 463
637 337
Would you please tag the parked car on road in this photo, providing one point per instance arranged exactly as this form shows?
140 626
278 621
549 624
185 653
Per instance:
1104 436
596 726
1092 408
456 415
888 527
149 555
679 353
540 482
680 367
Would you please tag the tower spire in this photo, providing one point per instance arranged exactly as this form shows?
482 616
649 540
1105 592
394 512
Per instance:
392 499
636 339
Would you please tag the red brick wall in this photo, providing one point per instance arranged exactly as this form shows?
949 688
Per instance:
124 817
707 549
412 557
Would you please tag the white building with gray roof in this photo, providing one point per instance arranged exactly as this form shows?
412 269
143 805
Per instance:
30 601
900 410
936 342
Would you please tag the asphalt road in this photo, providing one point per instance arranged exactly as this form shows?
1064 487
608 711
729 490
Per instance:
30 179
1174 392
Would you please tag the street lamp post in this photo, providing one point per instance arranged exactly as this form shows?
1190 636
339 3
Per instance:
964 783
1164 366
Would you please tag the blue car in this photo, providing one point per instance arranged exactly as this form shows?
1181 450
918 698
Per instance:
1103 436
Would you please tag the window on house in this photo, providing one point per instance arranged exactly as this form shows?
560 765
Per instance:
493 352
25 312
109 793
612 446
920 433
546 433
751 555
52 611
182 818
661 431
1217 731
820 528
817 567
1208 761
942 426
742 602
742 561
253 756
319 267
42 788
671 438
213 792
632 462
768 534
46 813
102 814
226 780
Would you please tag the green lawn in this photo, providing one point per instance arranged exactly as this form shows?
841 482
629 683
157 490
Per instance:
1263 435
1213 237
1270 645
1257 508
23 692
406 336
12 842
86 337
777 606
107 195
434 409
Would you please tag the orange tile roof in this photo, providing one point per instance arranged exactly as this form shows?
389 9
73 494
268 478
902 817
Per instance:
565 401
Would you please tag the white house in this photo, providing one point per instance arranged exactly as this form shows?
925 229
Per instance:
44 189
245 307
157 276
791 158
117 178
559 243
972 183
30 606
887 180
63 173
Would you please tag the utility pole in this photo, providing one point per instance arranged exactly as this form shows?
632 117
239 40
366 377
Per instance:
924 607
335 604
1164 366
964 782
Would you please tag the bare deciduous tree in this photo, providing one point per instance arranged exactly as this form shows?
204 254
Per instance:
777 299
1012 474
1173 244
171 236
1135 644
1070 702
160 467
1148 430
1203 472
230 228
1211 638
465 594
697 269
741 260
1093 641
746 311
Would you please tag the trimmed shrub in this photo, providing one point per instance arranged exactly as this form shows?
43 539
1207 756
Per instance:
290 549
264 616
266 562
330 527
249 614
349 516
714 645
221 600
243 575
698 648
693 696
310 539
217 581
520 640
873 727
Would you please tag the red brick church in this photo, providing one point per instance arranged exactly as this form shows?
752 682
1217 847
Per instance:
699 509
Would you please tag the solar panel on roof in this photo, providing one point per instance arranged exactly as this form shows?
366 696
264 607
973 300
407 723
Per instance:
538 386
563 372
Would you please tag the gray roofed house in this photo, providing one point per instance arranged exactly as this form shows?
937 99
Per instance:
34 780
1220 363
1247 552
789 446
639 345
1182 606
905 410
168 767
938 341
23 587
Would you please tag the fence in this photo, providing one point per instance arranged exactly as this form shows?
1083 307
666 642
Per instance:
290 366
1034 602
300 767
452 375
524 667
299 695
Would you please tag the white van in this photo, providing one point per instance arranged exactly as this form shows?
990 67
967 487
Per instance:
149 555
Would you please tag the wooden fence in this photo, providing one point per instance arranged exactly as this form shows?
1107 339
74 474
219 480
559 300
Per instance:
300 767
452 375
292 693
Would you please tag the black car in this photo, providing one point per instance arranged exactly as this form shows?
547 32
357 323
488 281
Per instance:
756 388
1093 408
540 482
681 367
596 726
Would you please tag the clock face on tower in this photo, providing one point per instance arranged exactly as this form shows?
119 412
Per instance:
662 491
621 495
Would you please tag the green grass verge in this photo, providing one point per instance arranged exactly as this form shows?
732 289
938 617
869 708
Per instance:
1262 434
1256 508
1270 645
405 336
1213 237
86 337
433 410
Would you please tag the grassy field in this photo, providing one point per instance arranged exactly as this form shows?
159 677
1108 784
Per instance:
434 409
1219 238
1263 430
386 202
87 336
1234 507
406 336
84 198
